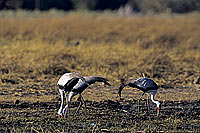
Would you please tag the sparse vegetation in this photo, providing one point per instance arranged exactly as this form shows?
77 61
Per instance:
34 54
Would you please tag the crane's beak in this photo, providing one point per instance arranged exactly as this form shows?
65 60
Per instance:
158 111
59 116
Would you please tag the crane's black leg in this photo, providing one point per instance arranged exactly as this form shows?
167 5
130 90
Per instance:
84 104
148 103
139 102
79 99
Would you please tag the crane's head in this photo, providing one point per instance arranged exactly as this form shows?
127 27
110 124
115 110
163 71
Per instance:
59 116
158 107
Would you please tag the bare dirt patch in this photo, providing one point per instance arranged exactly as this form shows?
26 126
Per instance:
105 115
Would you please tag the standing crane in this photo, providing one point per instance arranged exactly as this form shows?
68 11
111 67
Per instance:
144 84
74 84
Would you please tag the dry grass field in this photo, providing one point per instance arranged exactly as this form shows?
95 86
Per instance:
36 50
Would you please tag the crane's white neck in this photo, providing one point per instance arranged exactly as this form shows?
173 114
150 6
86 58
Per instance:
152 99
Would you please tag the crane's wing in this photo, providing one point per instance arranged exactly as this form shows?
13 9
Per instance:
70 84
143 84
69 80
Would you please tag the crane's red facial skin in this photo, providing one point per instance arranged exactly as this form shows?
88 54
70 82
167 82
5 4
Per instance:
59 116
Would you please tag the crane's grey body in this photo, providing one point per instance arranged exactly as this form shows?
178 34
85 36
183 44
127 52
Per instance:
68 80
76 86
145 84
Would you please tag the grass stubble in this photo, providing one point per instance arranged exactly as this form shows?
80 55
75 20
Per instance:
34 54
